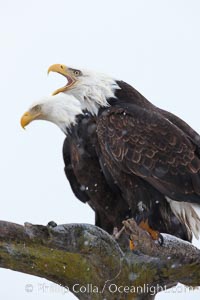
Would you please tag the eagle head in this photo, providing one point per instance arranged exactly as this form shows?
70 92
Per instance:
90 88
60 109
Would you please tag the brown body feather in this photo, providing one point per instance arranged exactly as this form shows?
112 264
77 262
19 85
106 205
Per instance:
88 173
149 146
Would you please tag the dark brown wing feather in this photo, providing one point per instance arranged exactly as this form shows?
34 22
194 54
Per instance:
130 95
92 182
86 178
145 143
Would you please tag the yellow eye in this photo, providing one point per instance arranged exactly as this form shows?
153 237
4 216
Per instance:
77 72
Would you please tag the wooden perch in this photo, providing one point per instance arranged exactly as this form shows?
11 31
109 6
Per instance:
81 255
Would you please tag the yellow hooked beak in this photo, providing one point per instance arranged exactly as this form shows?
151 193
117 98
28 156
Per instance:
63 70
27 118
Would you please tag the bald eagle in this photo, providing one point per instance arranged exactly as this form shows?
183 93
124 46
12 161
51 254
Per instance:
82 167
150 156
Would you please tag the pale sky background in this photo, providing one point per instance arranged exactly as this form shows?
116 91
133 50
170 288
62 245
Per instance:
153 45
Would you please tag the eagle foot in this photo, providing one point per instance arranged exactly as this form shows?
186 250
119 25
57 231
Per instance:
131 245
153 233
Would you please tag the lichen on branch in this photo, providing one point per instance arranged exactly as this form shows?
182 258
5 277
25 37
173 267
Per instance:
85 254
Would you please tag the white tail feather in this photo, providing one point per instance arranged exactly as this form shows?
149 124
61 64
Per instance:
187 215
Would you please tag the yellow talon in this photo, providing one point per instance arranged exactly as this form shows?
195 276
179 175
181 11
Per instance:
131 245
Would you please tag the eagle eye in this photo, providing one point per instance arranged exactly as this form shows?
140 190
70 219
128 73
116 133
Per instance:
36 109
77 72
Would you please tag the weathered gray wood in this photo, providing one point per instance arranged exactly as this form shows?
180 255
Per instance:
84 254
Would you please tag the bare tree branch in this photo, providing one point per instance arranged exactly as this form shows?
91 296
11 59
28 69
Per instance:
85 255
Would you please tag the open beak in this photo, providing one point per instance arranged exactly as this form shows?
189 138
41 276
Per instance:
63 70
28 118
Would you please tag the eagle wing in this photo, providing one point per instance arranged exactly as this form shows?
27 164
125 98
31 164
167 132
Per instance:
145 143
69 172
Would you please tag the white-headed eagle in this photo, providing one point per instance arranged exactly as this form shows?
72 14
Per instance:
146 160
